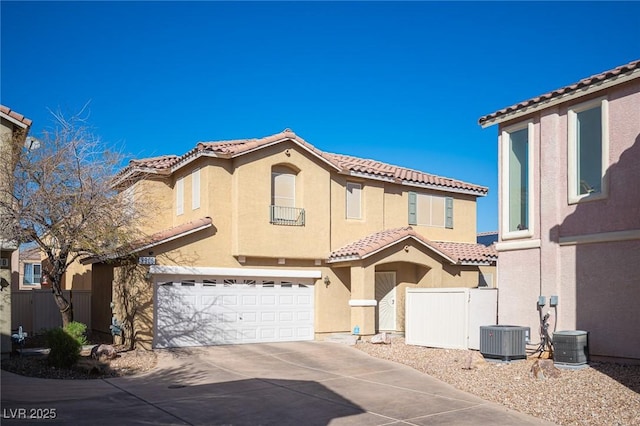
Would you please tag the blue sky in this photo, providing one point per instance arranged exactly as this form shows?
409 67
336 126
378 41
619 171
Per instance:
399 82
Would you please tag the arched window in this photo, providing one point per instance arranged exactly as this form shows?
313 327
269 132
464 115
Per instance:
284 208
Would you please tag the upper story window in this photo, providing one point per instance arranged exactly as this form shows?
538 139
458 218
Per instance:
283 198
430 210
283 188
180 196
32 274
588 144
195 189
354 200
517 180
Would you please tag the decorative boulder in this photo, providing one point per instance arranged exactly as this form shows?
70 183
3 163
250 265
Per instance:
383 338
544 368
474 360
106 351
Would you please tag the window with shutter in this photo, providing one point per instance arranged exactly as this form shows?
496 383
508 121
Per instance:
430 210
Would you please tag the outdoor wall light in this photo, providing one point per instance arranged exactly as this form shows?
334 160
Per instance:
327 281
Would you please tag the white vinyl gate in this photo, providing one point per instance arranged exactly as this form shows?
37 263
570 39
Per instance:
449 317
229 311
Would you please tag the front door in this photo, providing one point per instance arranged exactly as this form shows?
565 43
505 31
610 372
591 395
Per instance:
386 297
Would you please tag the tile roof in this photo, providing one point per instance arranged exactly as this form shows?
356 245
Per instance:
470 253
342 163
155 239
572 88
173 233
455 253
15 115
160 162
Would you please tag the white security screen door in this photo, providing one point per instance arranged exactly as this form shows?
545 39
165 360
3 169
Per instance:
386 297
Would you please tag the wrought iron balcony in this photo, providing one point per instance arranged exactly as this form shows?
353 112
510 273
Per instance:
288 216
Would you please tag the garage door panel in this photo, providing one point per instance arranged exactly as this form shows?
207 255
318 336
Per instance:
286 299
286 316
269 300
229 300
249 300
198 315
267 317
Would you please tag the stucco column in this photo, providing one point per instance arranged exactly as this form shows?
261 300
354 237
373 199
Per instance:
363 300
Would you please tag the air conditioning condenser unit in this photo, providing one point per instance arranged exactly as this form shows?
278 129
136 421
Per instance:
504 342
570 347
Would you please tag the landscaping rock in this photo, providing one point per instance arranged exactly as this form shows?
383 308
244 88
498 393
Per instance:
544 368
106 351
383 338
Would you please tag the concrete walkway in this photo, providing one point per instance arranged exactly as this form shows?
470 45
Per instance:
298 383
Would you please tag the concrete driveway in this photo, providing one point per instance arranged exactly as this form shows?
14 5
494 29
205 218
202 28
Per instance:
298 383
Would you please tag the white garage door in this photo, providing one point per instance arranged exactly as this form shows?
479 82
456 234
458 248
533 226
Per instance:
218 311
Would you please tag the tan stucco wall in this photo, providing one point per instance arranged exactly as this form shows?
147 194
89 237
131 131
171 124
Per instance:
133 306
253 233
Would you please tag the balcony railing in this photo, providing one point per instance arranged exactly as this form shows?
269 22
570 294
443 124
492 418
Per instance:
288 216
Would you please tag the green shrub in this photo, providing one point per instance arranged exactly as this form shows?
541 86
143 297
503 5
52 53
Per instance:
76 330
64 348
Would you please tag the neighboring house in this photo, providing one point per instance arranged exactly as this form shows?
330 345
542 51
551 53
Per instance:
271 239
29 270
487 238
570 209
14 128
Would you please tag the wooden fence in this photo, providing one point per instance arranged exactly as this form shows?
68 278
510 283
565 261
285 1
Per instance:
36 310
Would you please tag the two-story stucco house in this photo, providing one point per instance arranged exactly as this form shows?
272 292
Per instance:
570 210
14 128
272 239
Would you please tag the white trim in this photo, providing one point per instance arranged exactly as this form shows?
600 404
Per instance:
150 245
14 121
363 302
572 147
564 98
504 187
602 237
371 176
234 272
517 245
444 188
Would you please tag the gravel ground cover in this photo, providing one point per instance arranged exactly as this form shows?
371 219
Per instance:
599 394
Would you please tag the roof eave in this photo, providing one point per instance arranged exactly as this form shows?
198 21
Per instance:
294 140
475 193
578 93
92 260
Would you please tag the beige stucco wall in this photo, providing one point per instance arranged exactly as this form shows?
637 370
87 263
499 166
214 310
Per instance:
253 234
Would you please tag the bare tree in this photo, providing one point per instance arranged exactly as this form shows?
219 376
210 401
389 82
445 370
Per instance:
62 197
